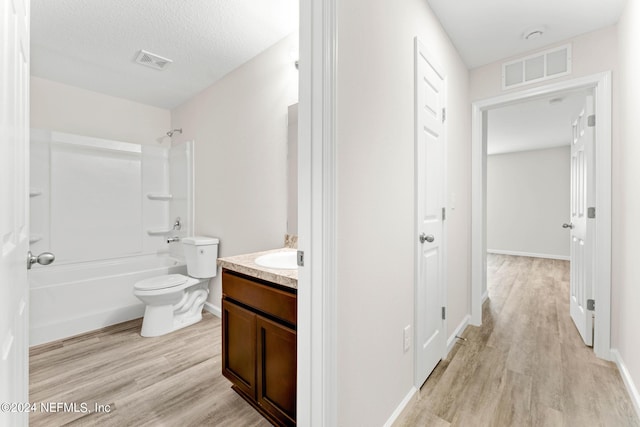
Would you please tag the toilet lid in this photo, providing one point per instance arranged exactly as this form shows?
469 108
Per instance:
160 282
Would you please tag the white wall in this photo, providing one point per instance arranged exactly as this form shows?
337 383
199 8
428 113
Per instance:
64 108
527 201
375 198
239 125
626 201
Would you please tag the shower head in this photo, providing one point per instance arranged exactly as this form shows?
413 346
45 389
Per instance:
171 132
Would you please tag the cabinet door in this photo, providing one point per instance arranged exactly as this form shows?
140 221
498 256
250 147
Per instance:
239 347
277 359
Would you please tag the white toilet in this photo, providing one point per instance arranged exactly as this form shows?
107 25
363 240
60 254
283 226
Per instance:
174 301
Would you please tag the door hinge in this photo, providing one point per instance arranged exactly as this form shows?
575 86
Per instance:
444 214
591 120
444 313
444 114
300 258
591 304
591 213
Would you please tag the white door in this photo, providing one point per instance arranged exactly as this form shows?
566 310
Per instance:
581 226
430 174
14 212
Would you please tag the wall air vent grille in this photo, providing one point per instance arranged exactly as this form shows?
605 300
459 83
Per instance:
534 68
152 60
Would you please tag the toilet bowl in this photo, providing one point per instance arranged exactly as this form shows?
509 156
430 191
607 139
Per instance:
175 301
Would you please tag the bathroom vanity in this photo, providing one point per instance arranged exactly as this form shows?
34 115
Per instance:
259 316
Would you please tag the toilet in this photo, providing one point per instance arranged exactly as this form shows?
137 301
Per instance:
175 301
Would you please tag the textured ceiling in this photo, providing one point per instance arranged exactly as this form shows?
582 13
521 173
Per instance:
485 31
533 125
93 43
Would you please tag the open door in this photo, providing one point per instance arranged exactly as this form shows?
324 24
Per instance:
14 211
582 224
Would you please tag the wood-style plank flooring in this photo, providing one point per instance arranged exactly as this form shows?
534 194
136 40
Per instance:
173 380
526 365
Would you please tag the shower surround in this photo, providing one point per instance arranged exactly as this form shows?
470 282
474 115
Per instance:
105 209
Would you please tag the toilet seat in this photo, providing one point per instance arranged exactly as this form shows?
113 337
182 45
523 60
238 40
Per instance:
161 282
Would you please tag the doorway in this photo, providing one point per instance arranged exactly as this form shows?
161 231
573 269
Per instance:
600 84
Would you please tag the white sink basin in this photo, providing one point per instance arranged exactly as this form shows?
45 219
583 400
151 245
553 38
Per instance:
285 260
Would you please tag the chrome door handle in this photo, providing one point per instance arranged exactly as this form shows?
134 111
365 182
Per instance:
565 225
426 238
45 258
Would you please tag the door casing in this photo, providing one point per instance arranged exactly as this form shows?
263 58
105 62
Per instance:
601 85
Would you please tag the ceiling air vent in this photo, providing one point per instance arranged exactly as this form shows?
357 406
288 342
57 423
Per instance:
152 60
540 66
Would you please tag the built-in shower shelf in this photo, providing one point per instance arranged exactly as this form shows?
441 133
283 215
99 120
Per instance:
158 231
33 238
33 192
159 196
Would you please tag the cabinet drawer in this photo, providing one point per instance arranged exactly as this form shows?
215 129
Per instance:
267 299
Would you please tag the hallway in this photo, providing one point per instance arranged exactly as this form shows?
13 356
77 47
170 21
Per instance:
526 365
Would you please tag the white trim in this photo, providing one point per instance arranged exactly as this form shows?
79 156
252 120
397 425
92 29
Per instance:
459 330
478 211
213 309
317 290
401 407
601 83
529 254
634 394
485 296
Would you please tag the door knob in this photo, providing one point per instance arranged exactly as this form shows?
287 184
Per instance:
426 238
45 258
565 225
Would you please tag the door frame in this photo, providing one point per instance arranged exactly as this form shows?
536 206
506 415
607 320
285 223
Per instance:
601 85
317 382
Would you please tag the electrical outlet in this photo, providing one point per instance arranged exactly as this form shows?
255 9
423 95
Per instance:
407 338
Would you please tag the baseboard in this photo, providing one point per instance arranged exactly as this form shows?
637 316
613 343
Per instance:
396 414
529 254
461 327
628 381
213 309
407 399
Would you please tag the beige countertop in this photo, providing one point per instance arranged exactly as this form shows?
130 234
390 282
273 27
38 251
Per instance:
245 264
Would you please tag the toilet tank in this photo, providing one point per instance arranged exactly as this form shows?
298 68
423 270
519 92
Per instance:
201 254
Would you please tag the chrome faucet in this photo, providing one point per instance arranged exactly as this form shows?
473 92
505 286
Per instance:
173 239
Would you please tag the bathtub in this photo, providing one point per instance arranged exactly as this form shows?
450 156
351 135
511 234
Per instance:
71 299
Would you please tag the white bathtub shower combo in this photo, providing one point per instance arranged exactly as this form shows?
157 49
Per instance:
105 209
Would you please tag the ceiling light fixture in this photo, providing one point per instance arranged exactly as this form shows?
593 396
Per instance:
533 33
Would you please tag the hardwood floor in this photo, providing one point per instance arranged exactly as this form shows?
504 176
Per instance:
173 380
526 365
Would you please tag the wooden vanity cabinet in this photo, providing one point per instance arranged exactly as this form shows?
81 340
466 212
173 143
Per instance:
259 354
